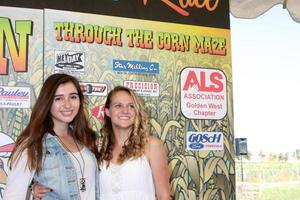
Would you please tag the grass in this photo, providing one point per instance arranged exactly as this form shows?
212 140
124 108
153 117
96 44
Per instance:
268 181
266 165
289 192
269 172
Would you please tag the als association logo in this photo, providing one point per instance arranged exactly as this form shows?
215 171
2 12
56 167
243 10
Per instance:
204 141
203 93
69 61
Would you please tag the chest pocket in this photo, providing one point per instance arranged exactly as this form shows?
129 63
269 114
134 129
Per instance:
52 158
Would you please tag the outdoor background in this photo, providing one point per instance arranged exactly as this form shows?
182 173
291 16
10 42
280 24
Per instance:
265 65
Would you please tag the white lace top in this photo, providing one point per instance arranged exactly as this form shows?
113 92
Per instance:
131 180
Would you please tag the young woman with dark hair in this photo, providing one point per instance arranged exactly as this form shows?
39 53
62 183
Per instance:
57 149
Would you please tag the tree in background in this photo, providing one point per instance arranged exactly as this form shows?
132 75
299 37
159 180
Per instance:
249 155
283 157
298 154
262 156
273 157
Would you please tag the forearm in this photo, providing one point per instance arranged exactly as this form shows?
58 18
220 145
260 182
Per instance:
163 197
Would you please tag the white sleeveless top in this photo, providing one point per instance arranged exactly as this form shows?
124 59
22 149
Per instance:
132 180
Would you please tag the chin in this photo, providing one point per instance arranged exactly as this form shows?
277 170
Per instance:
124 126
68 120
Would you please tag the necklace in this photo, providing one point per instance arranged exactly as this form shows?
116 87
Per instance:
82 179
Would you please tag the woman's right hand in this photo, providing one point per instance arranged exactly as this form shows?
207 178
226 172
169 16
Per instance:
39 191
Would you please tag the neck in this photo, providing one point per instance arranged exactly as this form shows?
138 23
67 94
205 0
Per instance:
61 131
121 136
68 141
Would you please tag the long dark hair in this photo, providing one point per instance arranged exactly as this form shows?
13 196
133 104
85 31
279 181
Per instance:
41 122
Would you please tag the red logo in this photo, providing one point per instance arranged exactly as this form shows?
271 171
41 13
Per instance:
98 112
201 82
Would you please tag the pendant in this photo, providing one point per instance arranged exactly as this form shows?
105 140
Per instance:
82 185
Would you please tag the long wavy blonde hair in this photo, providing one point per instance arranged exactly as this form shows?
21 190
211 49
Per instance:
134 146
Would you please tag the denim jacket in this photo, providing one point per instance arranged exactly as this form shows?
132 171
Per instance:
59 173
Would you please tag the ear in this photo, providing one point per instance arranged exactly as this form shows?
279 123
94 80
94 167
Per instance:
107 112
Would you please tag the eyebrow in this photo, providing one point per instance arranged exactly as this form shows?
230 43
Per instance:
122 103
67 94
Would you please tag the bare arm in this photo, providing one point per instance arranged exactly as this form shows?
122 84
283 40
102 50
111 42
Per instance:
158 161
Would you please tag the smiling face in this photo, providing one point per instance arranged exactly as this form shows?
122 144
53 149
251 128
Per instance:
121 110
65 104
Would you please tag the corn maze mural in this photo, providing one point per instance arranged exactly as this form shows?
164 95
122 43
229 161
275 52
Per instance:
183 73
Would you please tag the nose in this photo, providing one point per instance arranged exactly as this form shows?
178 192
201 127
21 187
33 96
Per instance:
67 102
125 109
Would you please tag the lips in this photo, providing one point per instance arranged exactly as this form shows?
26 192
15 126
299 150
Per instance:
67 113
124 118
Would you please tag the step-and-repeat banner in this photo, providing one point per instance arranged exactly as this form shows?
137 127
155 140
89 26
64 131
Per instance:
176 55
